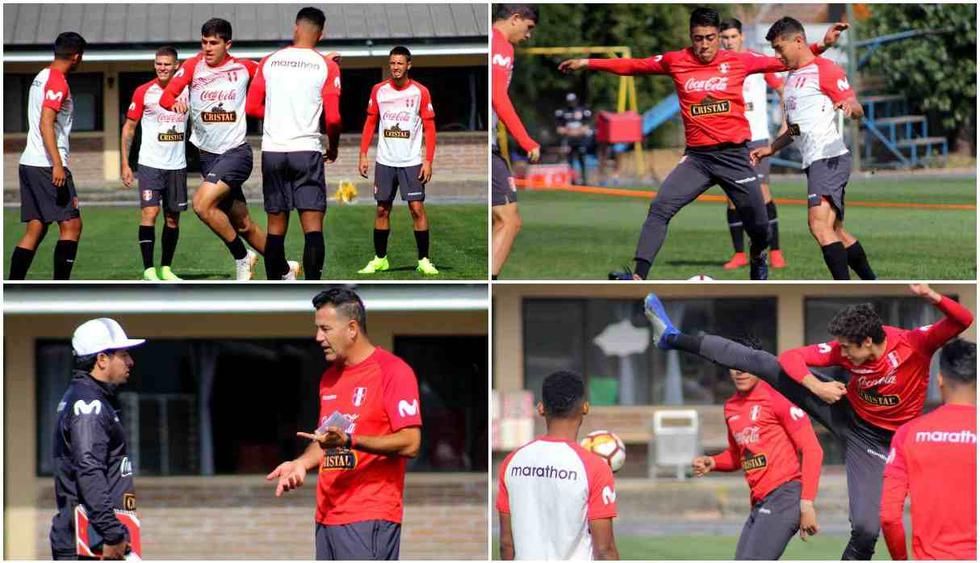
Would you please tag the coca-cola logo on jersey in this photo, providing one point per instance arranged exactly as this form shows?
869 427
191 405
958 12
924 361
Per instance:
749 435
866 382
713 84
218 95
402 116
171 117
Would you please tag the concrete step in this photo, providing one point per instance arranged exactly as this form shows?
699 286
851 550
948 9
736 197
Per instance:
920 142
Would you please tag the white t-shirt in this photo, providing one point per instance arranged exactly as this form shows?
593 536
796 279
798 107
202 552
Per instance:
296 82
810 94
162 139
552 489
756 103
400 115
49 90
217 100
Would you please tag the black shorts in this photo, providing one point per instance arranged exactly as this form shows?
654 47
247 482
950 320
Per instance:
293 180
166 186
232 167
827 178
41 200
370 540
503 190
389 179
765 165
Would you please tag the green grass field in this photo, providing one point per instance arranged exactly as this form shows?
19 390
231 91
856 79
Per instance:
109 251
711 547
584 236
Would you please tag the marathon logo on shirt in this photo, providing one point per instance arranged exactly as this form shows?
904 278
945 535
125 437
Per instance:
218 114
301 65
396 132
753 462
171 136
961 437
710 106
873 397
339 459
546 472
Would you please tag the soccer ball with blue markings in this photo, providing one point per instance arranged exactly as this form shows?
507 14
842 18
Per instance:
608 446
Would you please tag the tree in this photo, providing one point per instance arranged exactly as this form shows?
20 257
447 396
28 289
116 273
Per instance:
936 72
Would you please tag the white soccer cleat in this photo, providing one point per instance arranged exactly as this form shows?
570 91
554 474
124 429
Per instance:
244 267
294 271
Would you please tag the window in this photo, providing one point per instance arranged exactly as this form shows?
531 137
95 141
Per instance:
459 96
15 94
86 91
608 341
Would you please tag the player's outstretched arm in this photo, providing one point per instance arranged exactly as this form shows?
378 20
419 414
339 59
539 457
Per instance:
405 442
957 319
797 362
506 538
603 540
291 474
622 67
784 139
833 35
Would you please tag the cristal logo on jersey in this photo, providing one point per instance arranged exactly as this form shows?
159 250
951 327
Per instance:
396 132
339 459
218 114
753 461
710 106
81 407
171 136
129 501
873 397
359 394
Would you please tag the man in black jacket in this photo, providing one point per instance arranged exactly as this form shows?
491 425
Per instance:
91 468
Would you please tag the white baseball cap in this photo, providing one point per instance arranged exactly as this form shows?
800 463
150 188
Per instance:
99 335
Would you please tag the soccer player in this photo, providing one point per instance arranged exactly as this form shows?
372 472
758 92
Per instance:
401 109
217 84
887 372
815 88
767 436
573 125
361 462
709 84
556 499
92 471
47 189
512 25
756 112
162 167
292 88
934 460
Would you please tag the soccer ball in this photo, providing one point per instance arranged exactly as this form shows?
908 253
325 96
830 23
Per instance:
608 446
700 277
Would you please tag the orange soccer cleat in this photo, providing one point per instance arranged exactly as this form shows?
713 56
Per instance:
738 261
776 259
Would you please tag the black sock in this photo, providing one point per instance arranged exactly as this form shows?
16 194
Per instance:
773 225
685 342
20 262
64 258
836 258
237 248
736 230
169 240
643 267
422 242
313 254
858 261
275 257
146 239
381 242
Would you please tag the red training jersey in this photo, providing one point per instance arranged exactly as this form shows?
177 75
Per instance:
766 434
502 63
933 459
711 98
377 396
891 390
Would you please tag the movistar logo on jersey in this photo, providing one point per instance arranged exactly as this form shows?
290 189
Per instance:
54 96
710 106
408 409
608 495
503 61
545 472
81 407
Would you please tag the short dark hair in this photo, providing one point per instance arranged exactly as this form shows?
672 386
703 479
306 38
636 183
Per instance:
783 27
750 341
68 44
526 11
217 27
312 15
86 363
705 17
561 393
168 51
730 23
401 50
958 361
345 301
854 323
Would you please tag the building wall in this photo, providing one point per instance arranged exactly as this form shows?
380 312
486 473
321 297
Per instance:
28 507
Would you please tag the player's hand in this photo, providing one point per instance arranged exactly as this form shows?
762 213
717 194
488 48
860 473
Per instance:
332 437
808 520
180 107
534 155
58 175
703 465
833 34
333 56
362 165
114 550
289 475
845 107
330 156
829 391
923 290
126 175
572 65
756 155
426 173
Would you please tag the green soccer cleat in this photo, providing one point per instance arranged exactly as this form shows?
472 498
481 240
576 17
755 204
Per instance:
150 274
375 265
426 267
167 274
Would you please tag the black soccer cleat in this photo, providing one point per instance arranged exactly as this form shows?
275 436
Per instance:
625 275
759 267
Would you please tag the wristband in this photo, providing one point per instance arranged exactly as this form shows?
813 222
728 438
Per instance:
350 442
